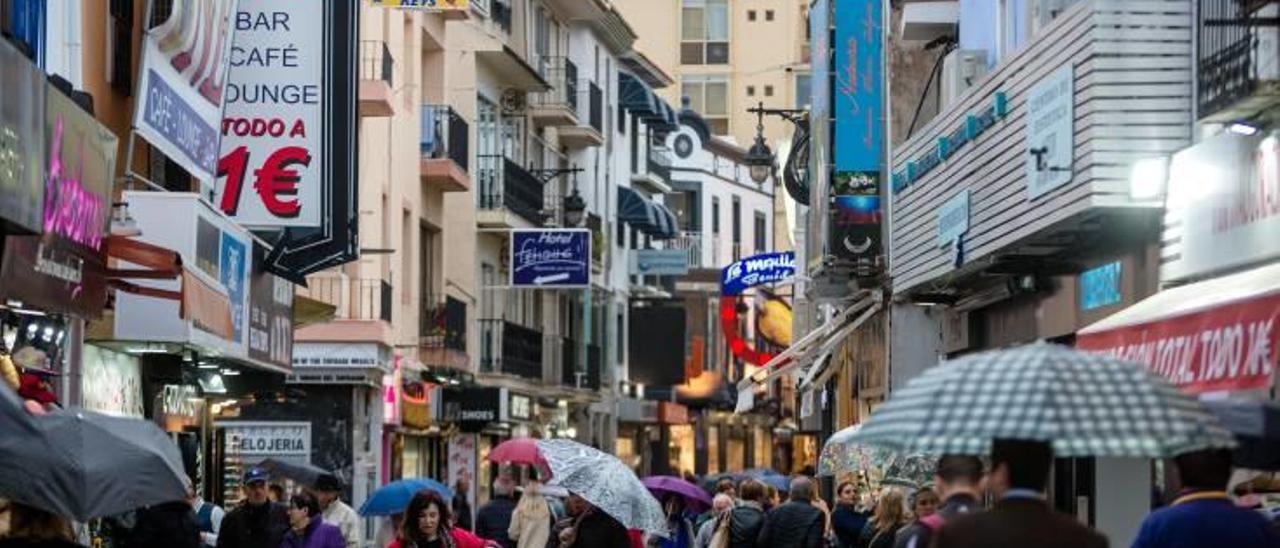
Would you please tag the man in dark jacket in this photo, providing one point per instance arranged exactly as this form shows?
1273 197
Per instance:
746 519
1203 515
796 524
494 517
1021 518
257 522
957 478
461 504
596 529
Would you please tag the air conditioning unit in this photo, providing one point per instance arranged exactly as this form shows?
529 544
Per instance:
961 69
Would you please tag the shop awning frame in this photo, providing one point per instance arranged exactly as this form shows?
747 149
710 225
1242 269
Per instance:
636 96
636 210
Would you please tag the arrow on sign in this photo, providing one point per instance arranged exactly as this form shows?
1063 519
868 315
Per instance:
302 251
551 278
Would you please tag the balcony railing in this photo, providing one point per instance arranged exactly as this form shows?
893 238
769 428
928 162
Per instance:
376 62
587 375
505 184
692 243
506 347
444 135
1236 52
596 106
562 74
659 164
354 298
443 323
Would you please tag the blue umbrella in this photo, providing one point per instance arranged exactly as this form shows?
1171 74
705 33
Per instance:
394 497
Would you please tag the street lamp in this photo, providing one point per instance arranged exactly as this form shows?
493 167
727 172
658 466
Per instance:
759 159
575 209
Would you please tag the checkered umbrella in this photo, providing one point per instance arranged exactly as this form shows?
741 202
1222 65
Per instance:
1084 404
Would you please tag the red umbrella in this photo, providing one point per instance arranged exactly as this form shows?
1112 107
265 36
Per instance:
519 451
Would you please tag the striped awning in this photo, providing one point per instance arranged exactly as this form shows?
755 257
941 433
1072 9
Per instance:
670 223
636 96
636 210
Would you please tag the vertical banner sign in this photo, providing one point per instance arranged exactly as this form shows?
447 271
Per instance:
270 168
299 67
182 81
858 105
270 316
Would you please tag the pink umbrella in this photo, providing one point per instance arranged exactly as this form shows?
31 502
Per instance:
519 451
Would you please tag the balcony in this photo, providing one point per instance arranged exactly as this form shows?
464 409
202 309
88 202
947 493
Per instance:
559 105
692 243
376 68
1238 54
580 136
509 348
443 143
509 196
574 376
655 175
442 332
364 309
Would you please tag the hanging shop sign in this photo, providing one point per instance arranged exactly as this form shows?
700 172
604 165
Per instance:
520 407
427 5
1223 206
858 107
177 406
111 382
766 268
659 262
305 184
268 439
182 83
270 316
974 125
1100 286
553 258
217 254
474 408
22 142
341 355
855 217
1050 141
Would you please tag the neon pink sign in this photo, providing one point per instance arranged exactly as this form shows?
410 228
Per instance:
71 210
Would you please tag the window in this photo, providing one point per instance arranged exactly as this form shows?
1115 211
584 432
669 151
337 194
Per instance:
768 91
803 90
768 15
737 220
715 215
704 32
751 15
761 233
709 96
751 91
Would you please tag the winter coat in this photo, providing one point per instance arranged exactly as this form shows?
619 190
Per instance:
250 526
848 522
876 538
318 534
597 529
462 511
745 523
796 524
346 519
458 538
494 518
530 530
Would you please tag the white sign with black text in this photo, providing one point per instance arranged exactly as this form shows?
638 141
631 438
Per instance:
1050 142
268 438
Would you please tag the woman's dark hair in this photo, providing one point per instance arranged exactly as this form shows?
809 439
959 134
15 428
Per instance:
752 490
843 484
425 498
306 501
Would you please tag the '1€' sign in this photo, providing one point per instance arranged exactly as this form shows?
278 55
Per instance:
276 181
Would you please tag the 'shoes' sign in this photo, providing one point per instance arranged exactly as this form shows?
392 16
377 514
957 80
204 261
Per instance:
757 270
551 258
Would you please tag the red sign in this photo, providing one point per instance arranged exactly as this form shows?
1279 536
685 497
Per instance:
1229 347
672 413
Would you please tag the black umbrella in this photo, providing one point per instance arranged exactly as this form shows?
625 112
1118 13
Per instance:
82 465
1256 425
301 472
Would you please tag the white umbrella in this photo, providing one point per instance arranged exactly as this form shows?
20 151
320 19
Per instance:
605 482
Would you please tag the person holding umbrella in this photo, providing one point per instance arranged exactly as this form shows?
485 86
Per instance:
307 528
1203 515
679 522
957 478
593 529
328 489
256 522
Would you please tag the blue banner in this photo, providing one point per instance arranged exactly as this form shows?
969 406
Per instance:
757 270
551 258
858 103
232 275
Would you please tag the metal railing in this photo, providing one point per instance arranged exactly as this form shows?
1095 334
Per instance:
692 243
506 184
506 347
562 74
443 323
585 375
595 114
444 135
1230 53
354 298
659 164
376 62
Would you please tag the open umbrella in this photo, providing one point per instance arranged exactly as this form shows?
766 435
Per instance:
1083 404
840 455
518 451
394 497
1256 425
694 497
84 465
605 482
301 472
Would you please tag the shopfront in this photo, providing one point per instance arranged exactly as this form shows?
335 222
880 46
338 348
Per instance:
637 420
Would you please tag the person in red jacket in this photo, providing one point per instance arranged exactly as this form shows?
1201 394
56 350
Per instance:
428 524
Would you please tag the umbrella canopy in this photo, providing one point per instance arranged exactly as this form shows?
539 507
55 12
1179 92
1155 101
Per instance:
662 486
840 455
605 482
301 472
518 451
84 465
1083 404
1256 425
394 497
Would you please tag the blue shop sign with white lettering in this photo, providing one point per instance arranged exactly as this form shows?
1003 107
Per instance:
551 258
1100 286
757 270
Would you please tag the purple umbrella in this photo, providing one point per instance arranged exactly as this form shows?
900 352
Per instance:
694 497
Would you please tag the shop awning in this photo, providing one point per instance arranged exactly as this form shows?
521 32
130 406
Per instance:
812 352
670 223
1215 335
636 210
635 96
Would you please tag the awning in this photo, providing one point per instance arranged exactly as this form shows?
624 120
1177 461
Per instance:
671 224
813 350
635 96
1215 335
636 210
